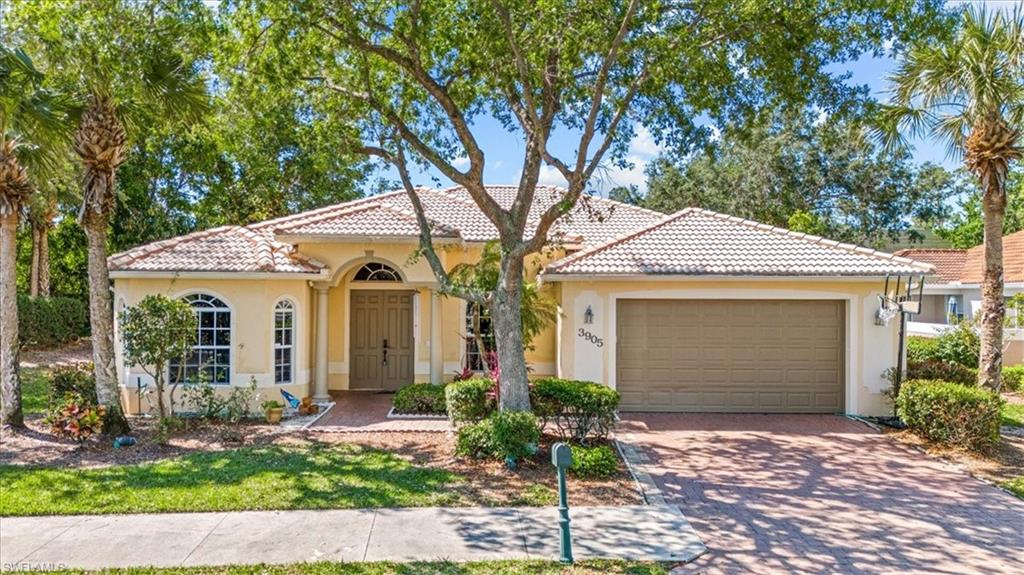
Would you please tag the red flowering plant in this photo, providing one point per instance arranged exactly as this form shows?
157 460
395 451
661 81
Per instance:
75 417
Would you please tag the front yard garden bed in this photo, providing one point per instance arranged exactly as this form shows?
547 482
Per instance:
211 467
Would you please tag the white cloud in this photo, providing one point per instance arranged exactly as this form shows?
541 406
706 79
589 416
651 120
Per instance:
460 163
643 143
550 176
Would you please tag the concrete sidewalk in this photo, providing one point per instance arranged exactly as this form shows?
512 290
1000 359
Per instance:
655 533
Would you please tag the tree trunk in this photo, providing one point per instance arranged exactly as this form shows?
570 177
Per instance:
101 322
10 381
507 326
993 304
33 277
44 260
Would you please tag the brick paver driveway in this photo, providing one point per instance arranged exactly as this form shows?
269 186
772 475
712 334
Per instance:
820 494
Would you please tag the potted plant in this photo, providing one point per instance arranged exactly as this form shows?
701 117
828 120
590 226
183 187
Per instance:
273 409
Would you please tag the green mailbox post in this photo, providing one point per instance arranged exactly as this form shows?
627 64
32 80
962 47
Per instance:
561 458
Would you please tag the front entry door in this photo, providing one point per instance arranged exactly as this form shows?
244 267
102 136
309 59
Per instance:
381 349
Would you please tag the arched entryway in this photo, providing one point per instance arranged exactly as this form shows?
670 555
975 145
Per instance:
381 343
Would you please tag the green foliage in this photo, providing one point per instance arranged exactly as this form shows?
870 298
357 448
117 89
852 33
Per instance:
154 332
960 343
214 402
468 401
580 410
77 379
474 440
203 398
594 462
35 390
1014 486
275 477
966 229
1013 414
1013 378
936 369
950 413
828 179
504 434
921 348
51 321
75 417
514 434
421 398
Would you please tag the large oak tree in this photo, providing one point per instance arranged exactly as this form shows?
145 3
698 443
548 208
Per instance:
412 78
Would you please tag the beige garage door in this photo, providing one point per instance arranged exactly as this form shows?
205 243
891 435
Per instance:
730 355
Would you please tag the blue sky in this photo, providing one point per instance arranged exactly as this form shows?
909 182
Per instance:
504 151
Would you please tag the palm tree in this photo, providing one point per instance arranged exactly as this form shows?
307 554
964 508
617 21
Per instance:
32 125
969 92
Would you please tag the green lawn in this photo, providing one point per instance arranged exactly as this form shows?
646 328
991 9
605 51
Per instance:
439 568
1015 486
35 383
1013 414
316 477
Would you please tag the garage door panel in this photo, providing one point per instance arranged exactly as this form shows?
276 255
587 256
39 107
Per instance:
730 355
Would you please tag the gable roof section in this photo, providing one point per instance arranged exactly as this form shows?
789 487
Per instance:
223 249
948 263
367 219
699 242
967 267
256 248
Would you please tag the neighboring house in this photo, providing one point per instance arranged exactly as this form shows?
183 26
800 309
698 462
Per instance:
696 311
954 291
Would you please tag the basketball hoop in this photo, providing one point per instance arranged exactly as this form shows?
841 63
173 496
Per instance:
887 309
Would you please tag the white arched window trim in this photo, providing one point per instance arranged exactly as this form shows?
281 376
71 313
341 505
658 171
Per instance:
213 353
283 352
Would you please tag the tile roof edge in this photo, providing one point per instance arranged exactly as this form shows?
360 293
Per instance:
821 241
340 212
324 210
555 266
137 253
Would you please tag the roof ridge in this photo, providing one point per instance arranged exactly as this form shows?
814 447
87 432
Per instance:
323 210
145 250
621 238
361 207
819 240
264 249
412 216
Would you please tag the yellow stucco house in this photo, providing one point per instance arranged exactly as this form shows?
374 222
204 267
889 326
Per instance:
694 311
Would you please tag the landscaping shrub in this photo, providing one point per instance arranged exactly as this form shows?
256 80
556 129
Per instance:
467 400
75 417
514 434
599 461
950 413
580 410
474 440
51 321
420 398
1013 378
921 348
72 379
939 370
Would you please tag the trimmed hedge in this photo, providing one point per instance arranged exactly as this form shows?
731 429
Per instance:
599 461
950 413
1013 378
420 398
920 348
937 370
51 321
959 343
467 401
474 440
503 435
580 410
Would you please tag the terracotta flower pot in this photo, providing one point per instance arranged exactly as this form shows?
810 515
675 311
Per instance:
274 414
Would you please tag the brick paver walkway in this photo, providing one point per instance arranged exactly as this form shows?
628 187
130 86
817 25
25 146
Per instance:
823 494
362 411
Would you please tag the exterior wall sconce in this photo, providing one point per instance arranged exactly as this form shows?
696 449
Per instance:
588 316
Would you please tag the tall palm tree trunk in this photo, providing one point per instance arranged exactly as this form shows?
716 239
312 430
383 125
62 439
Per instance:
101 323
10 382
993 304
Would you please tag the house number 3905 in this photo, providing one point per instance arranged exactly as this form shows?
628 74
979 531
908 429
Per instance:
599 342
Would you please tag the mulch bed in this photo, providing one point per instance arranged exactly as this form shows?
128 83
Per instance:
487 483
1002 463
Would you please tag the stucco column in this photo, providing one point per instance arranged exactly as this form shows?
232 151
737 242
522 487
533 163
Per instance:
320 392
436 347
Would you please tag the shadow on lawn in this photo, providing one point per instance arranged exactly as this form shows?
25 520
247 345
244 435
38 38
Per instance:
272 477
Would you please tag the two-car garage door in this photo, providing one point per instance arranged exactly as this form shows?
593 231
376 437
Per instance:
730 355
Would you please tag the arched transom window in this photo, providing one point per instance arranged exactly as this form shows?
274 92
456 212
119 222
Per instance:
210 360
284 341
377 272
